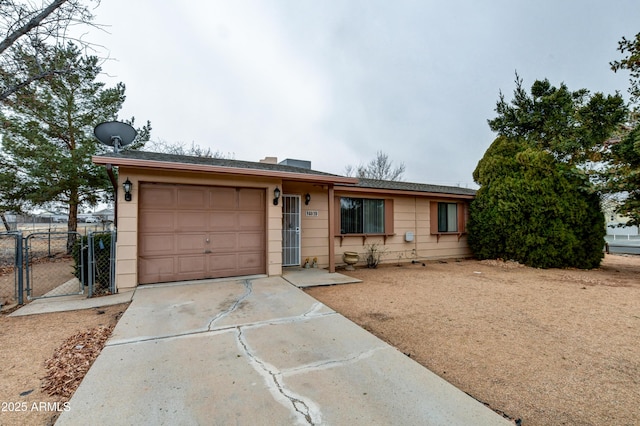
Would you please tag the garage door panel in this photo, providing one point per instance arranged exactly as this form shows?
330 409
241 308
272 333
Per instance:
250 220
251 199
223 241
157 269
192 265
223 220
192 198
190 243
158 196
158 244
191 221
251 260
157 221
223 198
222 262
250 240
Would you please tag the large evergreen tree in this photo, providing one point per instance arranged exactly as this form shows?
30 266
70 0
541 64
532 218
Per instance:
534 209
631 63
47 135
536 203
623 173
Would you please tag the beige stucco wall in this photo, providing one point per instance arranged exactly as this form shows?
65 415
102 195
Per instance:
127 244
411 214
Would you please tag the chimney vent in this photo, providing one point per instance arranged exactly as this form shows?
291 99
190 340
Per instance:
269 160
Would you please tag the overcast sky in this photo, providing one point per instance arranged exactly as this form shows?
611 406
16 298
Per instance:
335 81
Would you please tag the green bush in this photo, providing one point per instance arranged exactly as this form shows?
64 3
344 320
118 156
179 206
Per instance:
534 209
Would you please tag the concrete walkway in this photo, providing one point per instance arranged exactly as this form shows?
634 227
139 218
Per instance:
70 303
257 352
313 277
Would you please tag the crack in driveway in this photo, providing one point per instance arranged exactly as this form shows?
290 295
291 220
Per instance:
248 288
304 409
216 330
315 309
331 363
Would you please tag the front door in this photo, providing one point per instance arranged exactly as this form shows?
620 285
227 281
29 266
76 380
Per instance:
290 230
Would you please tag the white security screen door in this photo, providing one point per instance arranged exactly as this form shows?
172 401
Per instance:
290 230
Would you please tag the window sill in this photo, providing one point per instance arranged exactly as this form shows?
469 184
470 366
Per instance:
439 234
364 237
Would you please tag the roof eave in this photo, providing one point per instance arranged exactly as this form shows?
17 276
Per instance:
431 194
205 168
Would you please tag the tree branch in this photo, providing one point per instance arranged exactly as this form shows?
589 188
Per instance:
33 23
4 95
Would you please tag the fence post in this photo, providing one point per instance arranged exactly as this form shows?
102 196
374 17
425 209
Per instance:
80 243
112 264
19 266
26 263
90 265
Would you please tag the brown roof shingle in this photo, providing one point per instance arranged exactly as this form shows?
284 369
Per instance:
218 162
415 187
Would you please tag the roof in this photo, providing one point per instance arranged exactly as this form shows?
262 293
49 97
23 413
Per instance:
155 160
144 159
414 187
389 187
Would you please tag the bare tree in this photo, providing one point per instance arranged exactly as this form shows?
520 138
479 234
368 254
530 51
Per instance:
31 32
380 168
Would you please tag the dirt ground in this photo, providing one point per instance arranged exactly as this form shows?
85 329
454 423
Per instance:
548 347
26 343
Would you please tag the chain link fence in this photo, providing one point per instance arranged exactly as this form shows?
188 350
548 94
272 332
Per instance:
10 268
49 264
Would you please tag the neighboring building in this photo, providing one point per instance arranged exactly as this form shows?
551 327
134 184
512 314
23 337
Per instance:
616 222
105 215
52 217
193 218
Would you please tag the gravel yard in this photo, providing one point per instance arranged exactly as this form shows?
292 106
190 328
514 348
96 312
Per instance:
546 346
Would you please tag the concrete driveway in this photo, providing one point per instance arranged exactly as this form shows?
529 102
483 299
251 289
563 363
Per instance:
257 351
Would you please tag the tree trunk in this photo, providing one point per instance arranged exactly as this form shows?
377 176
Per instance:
72 223
4 221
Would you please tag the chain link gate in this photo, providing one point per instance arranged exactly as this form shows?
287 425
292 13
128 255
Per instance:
11 268
50 269
101 264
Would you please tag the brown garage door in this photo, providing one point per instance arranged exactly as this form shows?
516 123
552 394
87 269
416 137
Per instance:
193 232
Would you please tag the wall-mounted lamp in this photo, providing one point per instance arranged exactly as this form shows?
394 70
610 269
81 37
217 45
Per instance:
307 199
276 196
127 185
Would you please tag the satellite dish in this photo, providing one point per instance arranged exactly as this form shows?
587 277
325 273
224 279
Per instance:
115 134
